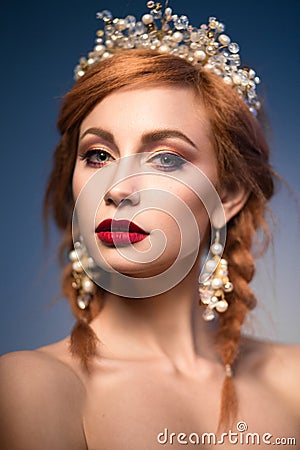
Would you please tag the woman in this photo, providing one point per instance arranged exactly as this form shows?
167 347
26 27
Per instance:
159 161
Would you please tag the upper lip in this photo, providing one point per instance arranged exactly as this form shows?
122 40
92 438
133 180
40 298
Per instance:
119 225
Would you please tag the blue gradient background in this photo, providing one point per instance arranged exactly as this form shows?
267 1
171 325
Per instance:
41 43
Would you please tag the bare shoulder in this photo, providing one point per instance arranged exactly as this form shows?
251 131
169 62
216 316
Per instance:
35 364
41 403
271 356
283 368
278 366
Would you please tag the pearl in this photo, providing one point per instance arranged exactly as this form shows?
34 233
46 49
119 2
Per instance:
109 43
100 49
228 287
227 80
88 286
222 306
257 105
83 301
216 248
164 48
91 263
223 263
73 256
205 297
194 46
199 55
236 79
168 12
147 19
213 24
224 39
177 36
217 71
214 299
77 266
208 315
222 272
121 25
195 36
221 27
228 370
203 278
216 283
211 265
252 73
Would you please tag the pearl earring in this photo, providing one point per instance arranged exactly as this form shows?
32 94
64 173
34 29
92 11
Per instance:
81 282
214 283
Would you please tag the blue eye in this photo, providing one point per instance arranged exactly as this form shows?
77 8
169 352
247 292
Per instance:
96 158
167 161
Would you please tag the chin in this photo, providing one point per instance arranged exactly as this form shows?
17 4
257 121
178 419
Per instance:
116 262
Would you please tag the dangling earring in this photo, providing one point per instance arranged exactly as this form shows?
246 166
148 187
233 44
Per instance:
214 283
81 282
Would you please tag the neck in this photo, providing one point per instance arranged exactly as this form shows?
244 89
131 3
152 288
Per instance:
169 325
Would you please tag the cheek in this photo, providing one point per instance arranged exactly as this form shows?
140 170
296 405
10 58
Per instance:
196 206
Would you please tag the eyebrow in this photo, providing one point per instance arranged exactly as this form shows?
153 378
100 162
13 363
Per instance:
106 135
160 135
147 138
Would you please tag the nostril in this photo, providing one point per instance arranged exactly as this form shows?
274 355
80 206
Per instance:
134 198
118 197
108 201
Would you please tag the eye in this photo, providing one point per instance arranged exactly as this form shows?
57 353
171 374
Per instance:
96 157
167 161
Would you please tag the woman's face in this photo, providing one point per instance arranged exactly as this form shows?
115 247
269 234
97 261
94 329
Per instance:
139 155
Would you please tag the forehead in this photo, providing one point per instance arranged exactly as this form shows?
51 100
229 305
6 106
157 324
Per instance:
140 109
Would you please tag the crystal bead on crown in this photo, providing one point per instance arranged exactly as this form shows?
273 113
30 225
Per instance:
159 29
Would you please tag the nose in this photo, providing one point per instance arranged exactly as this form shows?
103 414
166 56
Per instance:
122 193
123 187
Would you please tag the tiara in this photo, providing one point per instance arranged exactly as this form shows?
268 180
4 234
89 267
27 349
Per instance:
205 46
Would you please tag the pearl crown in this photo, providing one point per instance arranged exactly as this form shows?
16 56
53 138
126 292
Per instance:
204 46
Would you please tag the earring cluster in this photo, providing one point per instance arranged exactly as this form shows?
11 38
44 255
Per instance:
214 283
81 282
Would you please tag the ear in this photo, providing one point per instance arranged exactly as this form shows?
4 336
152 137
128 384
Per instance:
233 201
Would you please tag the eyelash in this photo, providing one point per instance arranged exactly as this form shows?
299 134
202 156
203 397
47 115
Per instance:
177 160
87 157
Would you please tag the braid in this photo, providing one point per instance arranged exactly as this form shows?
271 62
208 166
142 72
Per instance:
241 231
83 338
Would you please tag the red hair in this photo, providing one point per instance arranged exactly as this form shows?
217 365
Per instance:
243 162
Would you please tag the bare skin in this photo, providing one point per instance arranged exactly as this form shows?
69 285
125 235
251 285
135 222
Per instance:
140 385
156 366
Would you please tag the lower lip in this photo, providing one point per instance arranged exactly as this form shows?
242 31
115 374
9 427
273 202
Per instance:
120 237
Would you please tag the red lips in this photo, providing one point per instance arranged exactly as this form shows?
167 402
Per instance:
120 232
